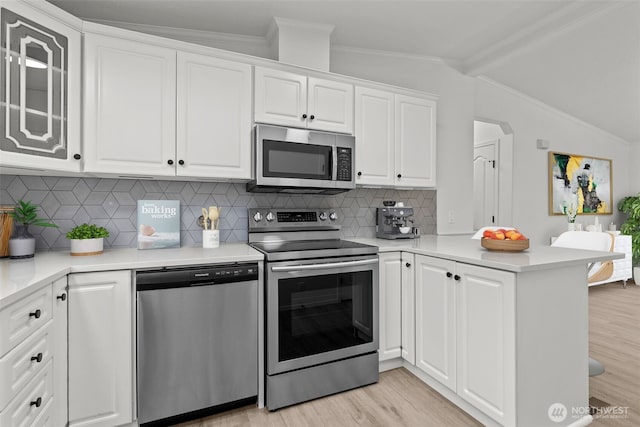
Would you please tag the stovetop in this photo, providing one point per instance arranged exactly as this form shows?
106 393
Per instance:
305 249
289 234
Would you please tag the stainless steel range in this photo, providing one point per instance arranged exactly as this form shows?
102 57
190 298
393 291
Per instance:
321 305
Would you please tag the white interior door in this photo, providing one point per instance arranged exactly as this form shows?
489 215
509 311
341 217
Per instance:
485 184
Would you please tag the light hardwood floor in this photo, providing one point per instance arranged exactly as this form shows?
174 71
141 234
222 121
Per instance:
400 399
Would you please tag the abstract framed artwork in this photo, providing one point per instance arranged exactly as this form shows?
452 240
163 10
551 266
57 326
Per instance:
581 183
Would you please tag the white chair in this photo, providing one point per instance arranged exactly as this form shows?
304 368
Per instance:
595 241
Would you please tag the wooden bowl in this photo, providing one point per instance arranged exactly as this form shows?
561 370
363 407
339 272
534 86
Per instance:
504 245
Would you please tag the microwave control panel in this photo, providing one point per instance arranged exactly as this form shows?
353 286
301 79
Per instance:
344 164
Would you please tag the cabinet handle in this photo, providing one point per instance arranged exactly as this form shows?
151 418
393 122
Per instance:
170 161
37 358
304 116
62 297
311 117
36 402
36 314
456 277
399 175
181 162
449 274
359 173
408 264
77 156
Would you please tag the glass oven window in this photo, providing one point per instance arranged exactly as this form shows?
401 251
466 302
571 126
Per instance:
296 160
324 313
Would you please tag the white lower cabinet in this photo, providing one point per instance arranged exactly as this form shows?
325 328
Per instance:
100 349
397 302
33 379
465 332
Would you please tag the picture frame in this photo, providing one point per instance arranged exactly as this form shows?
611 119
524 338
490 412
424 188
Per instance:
580 182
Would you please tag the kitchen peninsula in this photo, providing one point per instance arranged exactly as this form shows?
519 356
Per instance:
502 335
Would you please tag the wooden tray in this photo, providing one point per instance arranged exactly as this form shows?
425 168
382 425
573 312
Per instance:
504 245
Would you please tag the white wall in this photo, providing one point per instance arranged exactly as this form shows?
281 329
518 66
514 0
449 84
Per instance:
454 131
531 120
634 166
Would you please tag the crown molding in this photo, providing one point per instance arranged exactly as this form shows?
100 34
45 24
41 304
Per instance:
392 54
562 21
551 109
207 38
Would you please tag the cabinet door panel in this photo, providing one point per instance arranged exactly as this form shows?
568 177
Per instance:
374 130
331 105
408 308
214 117
280 97
100 349
390 305
415 142
40 104
436 319
129 101
486 342
59 409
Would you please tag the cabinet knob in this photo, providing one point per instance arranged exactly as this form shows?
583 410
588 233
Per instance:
359 173
37 358
170 162
62 297
399 175
304 116
77 156
449 274
456 277
408 264
181 162
311 117
36 314
36 402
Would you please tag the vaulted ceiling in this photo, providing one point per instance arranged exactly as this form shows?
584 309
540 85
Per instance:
579 56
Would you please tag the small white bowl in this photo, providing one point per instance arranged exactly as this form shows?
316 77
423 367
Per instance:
404 230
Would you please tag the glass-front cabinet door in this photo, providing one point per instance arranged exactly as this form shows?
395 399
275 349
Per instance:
40 91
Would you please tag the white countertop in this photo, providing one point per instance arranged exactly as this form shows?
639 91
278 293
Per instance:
467 250
20 277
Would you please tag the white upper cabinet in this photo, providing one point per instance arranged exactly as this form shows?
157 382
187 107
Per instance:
395 139
129 106
290 99
375 136
40 91
214 117
415 129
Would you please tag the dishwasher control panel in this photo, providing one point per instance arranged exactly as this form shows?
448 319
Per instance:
202 275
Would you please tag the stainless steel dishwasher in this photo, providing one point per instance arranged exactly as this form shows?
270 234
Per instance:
197 341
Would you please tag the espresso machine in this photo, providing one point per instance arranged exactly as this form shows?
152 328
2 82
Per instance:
394 223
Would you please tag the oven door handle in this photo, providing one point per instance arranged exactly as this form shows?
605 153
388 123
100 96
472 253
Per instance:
285 268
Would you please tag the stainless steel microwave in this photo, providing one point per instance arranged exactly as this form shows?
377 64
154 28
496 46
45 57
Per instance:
289 160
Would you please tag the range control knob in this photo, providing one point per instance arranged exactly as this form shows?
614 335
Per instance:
401 213
333 216
270 216
257 217
323 216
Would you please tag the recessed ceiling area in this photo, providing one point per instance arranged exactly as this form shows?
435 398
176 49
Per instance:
580 57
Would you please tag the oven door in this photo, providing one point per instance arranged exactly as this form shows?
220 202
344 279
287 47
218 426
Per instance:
320 310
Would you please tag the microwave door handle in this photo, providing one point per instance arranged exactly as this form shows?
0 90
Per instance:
323 266
334 163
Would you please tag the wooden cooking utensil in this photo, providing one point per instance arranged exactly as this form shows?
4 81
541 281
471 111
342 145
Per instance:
204 217
214 214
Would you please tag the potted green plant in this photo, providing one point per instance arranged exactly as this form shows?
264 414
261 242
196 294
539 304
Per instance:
630 205
22 244
87 239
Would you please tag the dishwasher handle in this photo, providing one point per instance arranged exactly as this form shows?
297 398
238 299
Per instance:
322 266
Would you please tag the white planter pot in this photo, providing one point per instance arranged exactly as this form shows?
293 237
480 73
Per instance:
80 247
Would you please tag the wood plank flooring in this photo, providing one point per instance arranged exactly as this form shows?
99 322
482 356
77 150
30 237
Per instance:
400 399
